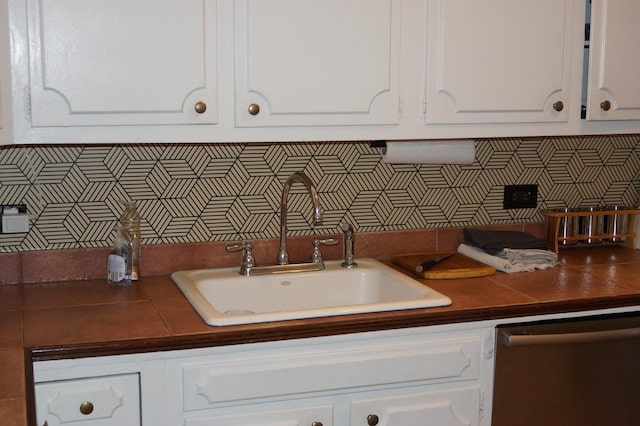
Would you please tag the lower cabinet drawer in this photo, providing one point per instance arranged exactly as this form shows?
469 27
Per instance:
321 415
277 375
95 401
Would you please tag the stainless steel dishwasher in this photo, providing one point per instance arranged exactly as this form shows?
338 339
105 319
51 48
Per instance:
582 372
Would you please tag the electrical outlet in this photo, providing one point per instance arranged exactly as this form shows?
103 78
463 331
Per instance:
520 197
15 208
14 219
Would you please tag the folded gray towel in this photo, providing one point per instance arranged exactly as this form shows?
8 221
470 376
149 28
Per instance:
494 241
535 257
519 260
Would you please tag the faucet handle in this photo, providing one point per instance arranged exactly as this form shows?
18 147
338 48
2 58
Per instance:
316 255
239 246
248 260
324 242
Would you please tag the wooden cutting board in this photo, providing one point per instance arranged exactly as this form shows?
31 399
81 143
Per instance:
455 266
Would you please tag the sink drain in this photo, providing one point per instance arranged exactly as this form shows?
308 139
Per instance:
239 312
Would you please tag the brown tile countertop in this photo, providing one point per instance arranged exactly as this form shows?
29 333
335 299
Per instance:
89 317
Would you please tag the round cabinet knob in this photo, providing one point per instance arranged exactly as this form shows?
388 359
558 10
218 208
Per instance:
200 107
558 106
254 109
372 420
605 105
86 408
316 424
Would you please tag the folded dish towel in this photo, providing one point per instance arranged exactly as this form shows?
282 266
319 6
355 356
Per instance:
494 241
512 260
543 258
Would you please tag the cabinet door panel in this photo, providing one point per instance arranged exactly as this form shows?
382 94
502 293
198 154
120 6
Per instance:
121 62
453 407
614 64
499 61
306 62
5 107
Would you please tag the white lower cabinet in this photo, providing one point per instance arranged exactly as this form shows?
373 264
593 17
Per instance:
397 378
442 405
432 375
95 401
456 406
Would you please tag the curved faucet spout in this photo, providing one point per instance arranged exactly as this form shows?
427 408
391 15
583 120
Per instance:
283 256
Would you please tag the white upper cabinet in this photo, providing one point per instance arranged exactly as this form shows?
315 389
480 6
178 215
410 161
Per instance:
613 91
122 62
112 71
5 106
502 61
308 62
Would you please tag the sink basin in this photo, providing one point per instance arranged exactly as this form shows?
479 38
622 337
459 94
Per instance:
224 297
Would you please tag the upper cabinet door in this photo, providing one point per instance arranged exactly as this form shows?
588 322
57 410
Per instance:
309 62
614 66
5 107
502 61
107 62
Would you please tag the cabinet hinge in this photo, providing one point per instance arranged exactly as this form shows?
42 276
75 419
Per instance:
424 103
401 104
27 103
587 35
488 343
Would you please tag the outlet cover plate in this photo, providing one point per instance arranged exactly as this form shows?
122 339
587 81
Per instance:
520 197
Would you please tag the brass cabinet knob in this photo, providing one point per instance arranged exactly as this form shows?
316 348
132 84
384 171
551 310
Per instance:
254 109
558 106
372 420
200 107
605 105
86 408
316 424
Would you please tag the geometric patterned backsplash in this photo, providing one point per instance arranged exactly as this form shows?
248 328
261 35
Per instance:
228 192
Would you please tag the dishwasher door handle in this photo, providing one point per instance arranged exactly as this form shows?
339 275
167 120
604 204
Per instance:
509 339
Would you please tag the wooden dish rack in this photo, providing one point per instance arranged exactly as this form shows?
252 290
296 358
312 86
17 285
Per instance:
556 220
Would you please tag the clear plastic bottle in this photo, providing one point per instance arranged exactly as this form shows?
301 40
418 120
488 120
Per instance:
130 227
117 261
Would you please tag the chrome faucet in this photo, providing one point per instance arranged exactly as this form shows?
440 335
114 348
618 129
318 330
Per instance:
348 240
283 256
282 265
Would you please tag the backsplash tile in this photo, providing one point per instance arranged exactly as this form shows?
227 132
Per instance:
226 192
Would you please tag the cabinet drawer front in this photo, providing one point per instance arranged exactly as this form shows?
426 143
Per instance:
322 414
94 401
274 375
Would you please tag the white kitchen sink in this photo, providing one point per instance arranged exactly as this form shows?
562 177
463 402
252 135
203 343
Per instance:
224 297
